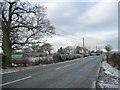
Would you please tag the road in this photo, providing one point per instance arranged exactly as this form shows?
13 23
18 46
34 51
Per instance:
78 73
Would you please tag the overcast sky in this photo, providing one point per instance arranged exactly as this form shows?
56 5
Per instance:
95 20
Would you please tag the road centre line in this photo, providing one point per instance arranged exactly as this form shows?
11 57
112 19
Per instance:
65 66
16 81
68 61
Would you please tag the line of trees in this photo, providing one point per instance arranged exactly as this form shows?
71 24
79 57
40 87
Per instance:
73 50
23 24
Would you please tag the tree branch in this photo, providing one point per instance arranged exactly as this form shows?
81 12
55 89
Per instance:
5 20
22 26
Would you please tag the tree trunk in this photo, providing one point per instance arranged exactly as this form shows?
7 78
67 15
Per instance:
6 46
108 57
6 42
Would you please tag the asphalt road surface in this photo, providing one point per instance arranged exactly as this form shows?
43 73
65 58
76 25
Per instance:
78 73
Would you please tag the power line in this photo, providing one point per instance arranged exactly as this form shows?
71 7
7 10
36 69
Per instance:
68 33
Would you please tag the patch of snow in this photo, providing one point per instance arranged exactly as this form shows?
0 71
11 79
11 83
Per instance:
108 77
110 70
108 85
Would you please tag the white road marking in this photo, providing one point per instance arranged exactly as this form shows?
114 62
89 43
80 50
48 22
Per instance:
93 84
10 72
65 66
44 65
70 61
15 81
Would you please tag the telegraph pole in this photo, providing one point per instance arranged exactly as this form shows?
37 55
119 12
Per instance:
96 48
83 46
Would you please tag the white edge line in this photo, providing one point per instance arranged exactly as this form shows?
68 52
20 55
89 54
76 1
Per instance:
15 81
93 84
97 74
18 70
10 72
64 66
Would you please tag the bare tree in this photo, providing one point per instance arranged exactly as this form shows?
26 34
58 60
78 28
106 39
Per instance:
0 27
46 48
22 24
60 50
108 48
68 49
78 49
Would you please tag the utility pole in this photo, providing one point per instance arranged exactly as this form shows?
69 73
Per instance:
83 46
96 48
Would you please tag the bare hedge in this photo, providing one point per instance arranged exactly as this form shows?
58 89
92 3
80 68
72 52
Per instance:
30 61
115 60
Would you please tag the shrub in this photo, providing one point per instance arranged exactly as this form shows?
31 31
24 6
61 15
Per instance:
21 62
65 57
57 58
